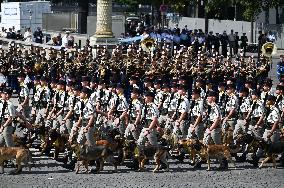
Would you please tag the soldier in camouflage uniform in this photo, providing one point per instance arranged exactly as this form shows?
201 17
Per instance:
133 128
150 123
196 129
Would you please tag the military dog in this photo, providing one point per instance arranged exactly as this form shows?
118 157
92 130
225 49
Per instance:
18 153
216 151
95 153
271 150
143 153
193 147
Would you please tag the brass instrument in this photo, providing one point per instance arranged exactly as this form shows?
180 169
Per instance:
268 49
148 45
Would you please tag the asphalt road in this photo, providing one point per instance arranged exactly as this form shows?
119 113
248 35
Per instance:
49 173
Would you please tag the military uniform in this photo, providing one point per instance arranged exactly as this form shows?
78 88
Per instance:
171 110
232 104
7 110
132 129
70 104
59 101
149 112
41 98
242 112
272 117
164 103
119 105
86 110
256 111
24 93
213 136
195 112
181 128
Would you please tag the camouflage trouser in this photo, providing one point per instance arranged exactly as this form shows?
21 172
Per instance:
240 128
133 131
66 127
40 116
181 130
229 124
6 138
86 136
170 124
57 123
256 131
121 126
275 136
214 137
197 132
26 111
163 121
148 135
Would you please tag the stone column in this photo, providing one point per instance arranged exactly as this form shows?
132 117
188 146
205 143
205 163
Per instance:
104 23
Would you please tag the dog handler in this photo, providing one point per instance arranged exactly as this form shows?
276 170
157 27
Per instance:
8 113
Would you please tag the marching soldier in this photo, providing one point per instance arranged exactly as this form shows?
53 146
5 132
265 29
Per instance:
35 98
66 123
223 97
41 98
149 122
163 105
118 110
213 121
24 96
279 103
196 128
134 113
71 116
242 112
272 116
8 113
255 114
85 124
230 109
181 114
266 90
55 117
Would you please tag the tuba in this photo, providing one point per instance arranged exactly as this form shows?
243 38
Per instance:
268 49
148 45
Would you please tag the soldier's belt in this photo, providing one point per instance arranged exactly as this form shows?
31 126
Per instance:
164 112
118 113
255 119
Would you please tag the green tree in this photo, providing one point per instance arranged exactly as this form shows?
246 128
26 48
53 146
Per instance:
252 8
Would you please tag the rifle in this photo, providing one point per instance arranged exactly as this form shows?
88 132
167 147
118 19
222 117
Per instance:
3 111
178 104
239 107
